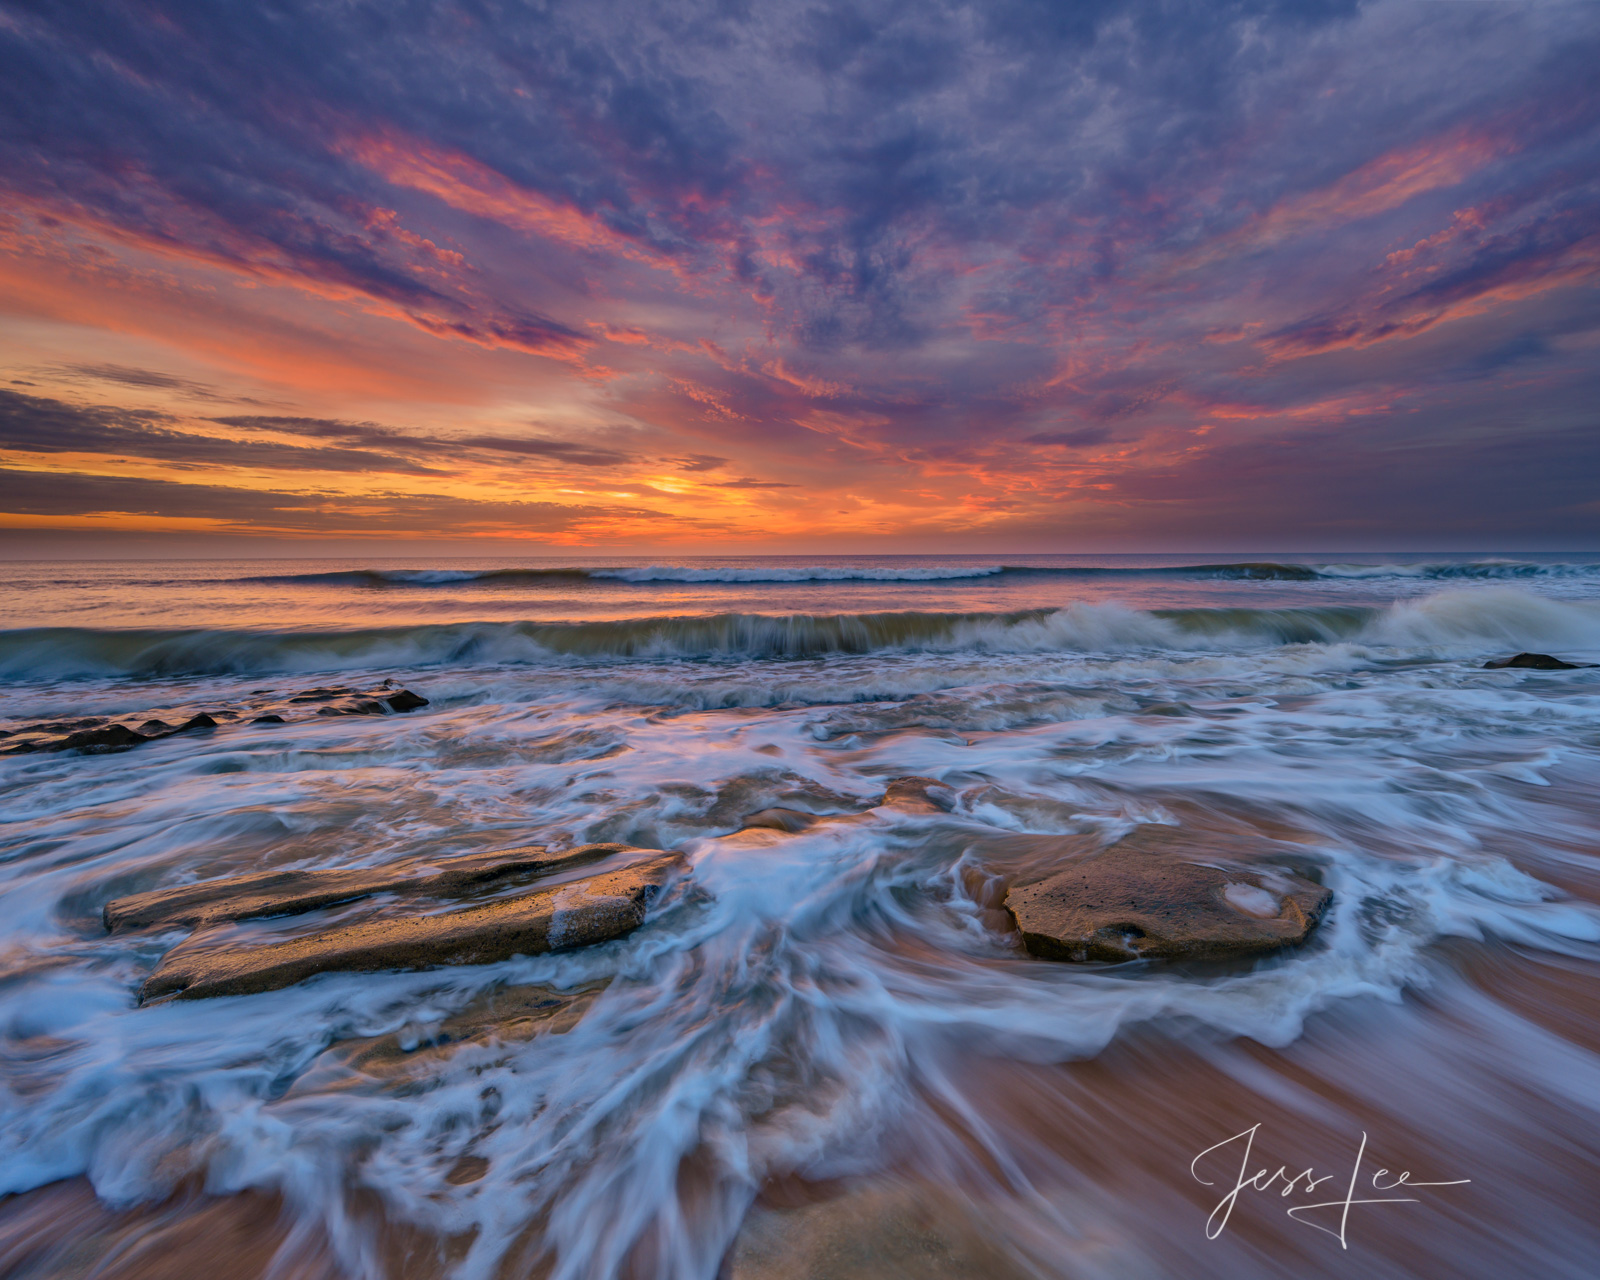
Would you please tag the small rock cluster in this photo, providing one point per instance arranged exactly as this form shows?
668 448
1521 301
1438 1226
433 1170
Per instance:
100 735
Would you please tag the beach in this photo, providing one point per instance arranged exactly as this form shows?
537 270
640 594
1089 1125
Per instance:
824 1050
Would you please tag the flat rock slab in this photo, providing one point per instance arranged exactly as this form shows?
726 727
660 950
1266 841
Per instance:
572 915
286 893
1141 899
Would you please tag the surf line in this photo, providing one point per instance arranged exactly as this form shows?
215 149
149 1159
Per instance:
1305 1182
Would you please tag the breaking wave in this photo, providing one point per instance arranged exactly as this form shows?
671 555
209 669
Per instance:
1450 624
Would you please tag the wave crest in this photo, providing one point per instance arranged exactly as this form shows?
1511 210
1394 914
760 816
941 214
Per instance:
1461 622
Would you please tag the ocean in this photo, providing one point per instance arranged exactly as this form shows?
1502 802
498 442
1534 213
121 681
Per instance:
825 1053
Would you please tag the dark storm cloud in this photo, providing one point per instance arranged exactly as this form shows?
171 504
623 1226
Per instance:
33 424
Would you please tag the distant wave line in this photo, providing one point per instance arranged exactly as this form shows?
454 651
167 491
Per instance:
1249 571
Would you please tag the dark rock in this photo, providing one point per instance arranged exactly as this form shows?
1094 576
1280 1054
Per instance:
1535 662
353 707
321 695
1140 898
579 914
114 737
96 734
284 893
375 702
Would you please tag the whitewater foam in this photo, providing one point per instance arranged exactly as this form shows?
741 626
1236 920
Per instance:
1454 624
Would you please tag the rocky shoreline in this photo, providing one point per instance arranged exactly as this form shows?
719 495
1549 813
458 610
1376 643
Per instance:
1150 895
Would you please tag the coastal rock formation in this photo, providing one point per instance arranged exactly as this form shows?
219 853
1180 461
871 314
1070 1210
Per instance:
98 735
284 893
918 795
1141 898
579 914
1534 662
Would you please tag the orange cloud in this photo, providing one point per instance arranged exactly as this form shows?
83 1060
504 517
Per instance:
471 187
1376 187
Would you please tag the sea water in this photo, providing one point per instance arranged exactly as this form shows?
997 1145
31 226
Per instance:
823 1054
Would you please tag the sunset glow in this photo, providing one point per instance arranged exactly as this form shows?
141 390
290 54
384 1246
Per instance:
849 296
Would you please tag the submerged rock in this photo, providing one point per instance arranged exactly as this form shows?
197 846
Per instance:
284 893
578 914
918 795
1140 898
1535 662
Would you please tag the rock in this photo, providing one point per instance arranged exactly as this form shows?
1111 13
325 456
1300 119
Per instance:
320 695
93 737
790 820
1535 662
579 914
1140 898
114 737
353 707
284 893
96 735
503 1013
343 701
918 795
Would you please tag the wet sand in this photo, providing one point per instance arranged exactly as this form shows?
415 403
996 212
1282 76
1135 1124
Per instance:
1446 1084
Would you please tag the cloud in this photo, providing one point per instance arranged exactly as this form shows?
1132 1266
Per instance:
938 249
748 483
57 494
34 424
700 462
565 451
1082 438
123 375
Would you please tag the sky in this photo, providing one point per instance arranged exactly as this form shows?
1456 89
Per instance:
757 278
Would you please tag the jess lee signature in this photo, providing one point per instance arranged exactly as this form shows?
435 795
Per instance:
1306 1183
